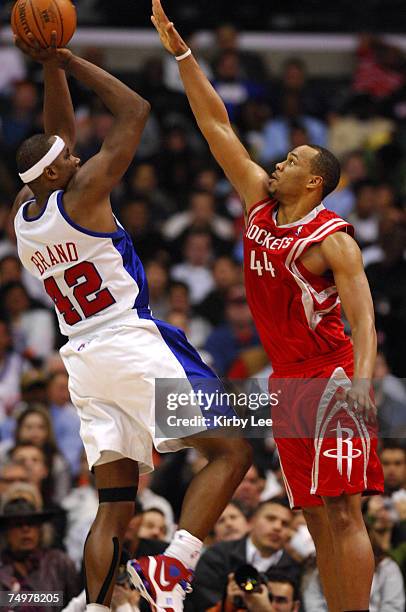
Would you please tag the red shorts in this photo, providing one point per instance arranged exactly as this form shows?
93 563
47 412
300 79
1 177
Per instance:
325 449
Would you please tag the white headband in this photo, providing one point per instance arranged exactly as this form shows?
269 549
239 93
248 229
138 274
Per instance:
38 168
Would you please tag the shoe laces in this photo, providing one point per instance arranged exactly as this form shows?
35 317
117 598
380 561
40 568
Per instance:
186 587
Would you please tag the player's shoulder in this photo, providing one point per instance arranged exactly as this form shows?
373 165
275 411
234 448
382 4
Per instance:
24 195
328 221
263 208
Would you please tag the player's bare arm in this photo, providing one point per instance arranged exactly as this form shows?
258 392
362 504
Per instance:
59 116
343 256
94 181
249 179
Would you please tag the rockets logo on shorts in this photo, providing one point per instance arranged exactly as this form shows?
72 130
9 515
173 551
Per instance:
349 453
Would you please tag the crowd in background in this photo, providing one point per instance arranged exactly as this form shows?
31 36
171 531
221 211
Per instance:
187 223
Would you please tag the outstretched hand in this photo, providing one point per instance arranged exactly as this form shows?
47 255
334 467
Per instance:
170 37
43 55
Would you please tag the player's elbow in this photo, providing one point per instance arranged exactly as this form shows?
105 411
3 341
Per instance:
139 109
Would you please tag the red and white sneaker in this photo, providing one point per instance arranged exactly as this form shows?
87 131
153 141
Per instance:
163 581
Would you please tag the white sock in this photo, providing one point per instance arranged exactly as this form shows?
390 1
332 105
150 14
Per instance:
185 548
96 608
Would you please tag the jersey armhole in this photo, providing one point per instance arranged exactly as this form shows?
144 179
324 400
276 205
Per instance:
257 207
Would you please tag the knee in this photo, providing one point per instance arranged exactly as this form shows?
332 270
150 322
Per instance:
117 514
341 516
316 521
235 451
239 453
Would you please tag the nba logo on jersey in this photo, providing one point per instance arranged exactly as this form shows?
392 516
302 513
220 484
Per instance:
299 229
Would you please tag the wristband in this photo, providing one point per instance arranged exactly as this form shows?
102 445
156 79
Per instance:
179 58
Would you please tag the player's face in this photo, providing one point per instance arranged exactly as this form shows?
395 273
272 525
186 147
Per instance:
292 176
66 165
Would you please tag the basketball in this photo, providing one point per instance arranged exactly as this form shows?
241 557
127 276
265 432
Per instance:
41 18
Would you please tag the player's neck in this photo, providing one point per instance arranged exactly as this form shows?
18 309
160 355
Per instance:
41 196
289 212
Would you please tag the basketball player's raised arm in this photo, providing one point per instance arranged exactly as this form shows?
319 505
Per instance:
343 257
101 173
248 178
59 116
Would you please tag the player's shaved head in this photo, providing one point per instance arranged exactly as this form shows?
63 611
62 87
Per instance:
326 165
32 150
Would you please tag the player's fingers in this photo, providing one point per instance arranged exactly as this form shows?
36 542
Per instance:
33 41
53 40
19 43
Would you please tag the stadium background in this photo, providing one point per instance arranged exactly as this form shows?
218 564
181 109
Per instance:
333 74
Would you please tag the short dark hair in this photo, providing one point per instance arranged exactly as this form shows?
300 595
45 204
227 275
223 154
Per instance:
32 150
277 501
326 165
275 575
155 509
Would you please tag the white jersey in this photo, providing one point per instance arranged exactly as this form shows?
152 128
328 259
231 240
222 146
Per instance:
92 277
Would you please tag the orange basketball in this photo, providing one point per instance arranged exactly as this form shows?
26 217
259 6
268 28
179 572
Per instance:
41 18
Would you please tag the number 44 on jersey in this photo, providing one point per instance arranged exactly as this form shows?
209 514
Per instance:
261 264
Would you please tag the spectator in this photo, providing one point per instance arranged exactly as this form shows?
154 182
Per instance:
34 460
234 345
225 274
387 591
34 426
124 599
149 499
195 271
10 473
137 219
388 294
19 120
181 315
278 594
32 327
294 81
380 69
158 281
11 364
233 523
137 546
153 525
250 488
390 399
393 459
200 216
80 506
231 86
13 67
26 564
11 270
365 215
65 420
176 164
353 170
251 64
279 131
263 548
143 185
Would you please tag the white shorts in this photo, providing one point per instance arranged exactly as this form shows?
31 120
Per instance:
112 375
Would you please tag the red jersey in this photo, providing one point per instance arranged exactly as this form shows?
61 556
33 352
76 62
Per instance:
297 313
